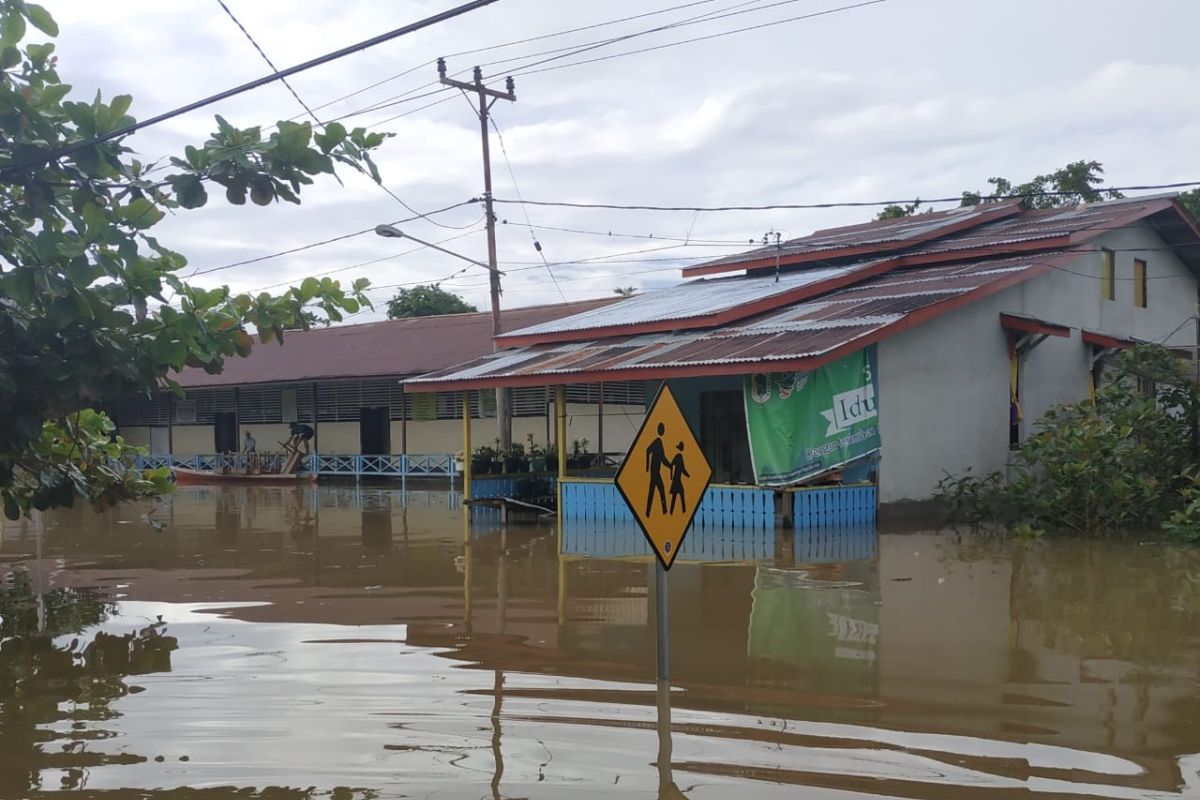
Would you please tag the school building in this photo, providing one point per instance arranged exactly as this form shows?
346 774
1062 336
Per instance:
860 365
345 381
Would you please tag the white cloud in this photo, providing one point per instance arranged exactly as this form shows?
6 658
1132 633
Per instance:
890 101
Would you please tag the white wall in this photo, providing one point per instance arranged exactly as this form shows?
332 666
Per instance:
943 385
445 435
137 435
190 440
943 400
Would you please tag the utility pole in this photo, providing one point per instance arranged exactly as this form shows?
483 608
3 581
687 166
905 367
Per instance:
766 240
503 406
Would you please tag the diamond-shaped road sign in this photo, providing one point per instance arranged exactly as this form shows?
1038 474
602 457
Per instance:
664 476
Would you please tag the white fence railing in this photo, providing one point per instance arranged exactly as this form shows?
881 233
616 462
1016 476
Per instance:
354 465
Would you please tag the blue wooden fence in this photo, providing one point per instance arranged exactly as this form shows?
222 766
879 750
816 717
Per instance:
353 465
822 544
722 506
624 540
506 485
834 505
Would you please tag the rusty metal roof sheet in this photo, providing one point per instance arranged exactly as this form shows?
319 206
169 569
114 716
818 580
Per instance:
1051 223
875 236
395 347
800 336
689 301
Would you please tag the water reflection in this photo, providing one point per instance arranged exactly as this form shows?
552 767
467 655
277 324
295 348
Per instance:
355 636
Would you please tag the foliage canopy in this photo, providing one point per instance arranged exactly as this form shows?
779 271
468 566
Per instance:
426 301
92 306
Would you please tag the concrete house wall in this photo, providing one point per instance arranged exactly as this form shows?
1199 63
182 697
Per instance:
424 437
944 384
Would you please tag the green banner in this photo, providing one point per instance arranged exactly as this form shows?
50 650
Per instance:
804 423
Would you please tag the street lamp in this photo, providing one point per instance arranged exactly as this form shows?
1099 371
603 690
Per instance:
392 232
503 413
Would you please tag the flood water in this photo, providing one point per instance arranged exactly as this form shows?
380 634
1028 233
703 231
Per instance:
348 642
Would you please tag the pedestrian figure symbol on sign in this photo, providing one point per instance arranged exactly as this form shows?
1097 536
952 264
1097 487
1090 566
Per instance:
678 473
656 458
664 476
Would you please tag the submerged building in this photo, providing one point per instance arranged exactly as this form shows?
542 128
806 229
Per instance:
345 381
890 353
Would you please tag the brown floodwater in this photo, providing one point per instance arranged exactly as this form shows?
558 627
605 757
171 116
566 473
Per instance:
354 642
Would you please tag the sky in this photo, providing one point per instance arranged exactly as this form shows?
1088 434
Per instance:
888 100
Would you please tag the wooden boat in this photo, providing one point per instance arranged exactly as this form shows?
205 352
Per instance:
195 477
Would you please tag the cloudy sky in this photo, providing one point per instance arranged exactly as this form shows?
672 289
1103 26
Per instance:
899 98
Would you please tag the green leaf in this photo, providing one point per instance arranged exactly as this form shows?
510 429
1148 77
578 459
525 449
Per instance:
12 29
120 104
189 190
41 19
53 94
10 57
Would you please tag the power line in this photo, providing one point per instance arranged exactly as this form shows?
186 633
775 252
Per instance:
245 87
411 94
833 204
316 119
374 261
513 43
536 244
639 51
311 245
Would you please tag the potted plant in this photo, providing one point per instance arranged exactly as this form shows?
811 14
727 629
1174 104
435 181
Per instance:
514 458
580 458
537 455
481 460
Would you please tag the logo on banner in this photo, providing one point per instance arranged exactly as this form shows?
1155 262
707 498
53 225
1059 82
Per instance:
851 408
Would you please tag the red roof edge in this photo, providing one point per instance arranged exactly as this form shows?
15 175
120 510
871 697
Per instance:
1023 324
710 320
705 370
1108 342
1002 210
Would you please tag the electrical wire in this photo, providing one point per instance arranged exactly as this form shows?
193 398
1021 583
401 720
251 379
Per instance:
66 150
316 119
533 236
526 40
394 256
832 204
311 245
526 71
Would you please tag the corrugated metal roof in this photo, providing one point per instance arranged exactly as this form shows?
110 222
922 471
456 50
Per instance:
689 301
1050 223
894 233
395 347
808 330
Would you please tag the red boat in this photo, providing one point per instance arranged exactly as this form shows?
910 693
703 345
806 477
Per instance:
197 477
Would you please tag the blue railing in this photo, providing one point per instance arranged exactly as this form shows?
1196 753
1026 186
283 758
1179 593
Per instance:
722 506
834 505
623 540
353 465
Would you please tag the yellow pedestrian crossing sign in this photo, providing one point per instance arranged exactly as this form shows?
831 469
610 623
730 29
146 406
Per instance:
664 476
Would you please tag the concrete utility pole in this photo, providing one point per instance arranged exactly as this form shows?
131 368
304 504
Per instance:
503 406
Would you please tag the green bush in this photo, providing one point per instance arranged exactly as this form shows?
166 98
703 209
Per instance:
1119 463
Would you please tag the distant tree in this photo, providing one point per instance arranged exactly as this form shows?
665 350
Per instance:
1071 185
895 211
426 301
308 319
1191 201
625 291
